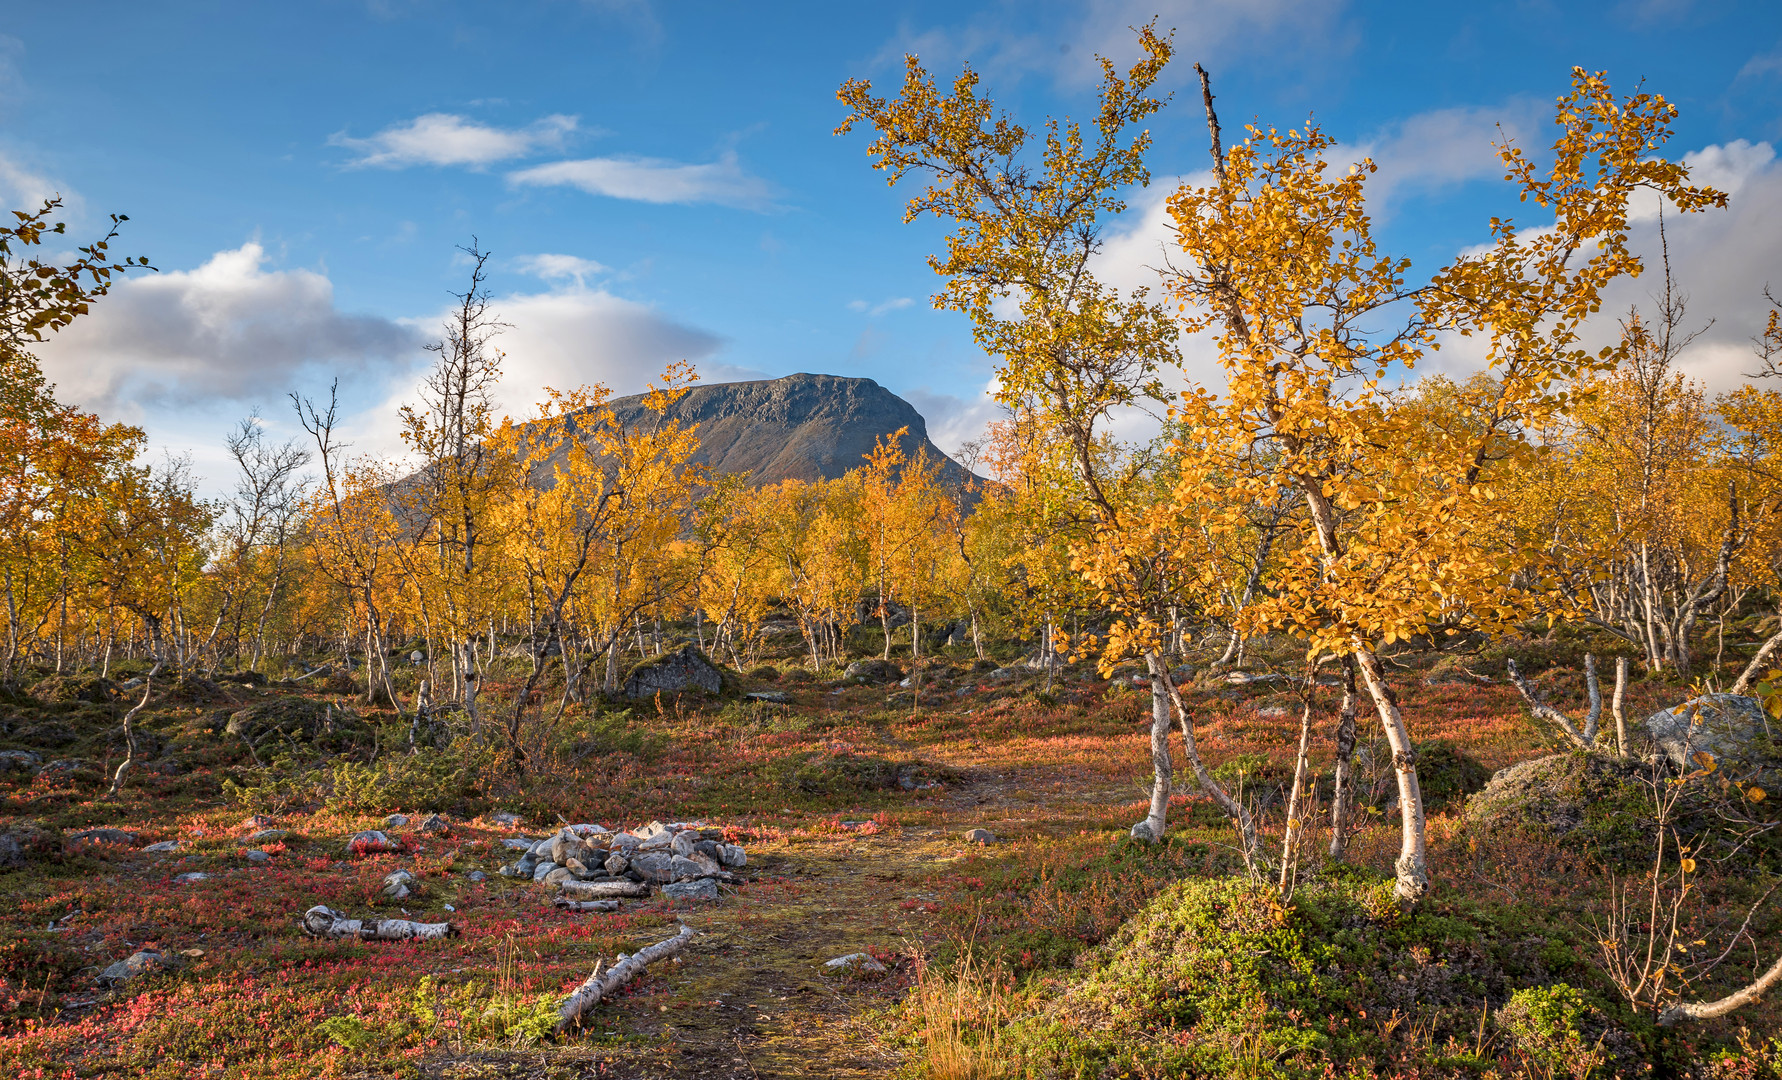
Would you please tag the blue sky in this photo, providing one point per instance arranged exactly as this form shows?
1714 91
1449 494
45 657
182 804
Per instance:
658 181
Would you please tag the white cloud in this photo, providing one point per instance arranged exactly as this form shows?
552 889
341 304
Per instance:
654 180
229 330
23 188
547 267
1441 148
447 139
896 303
954 421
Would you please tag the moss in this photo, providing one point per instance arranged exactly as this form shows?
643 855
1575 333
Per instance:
1447 774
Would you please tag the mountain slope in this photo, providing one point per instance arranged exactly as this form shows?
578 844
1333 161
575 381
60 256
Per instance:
801 427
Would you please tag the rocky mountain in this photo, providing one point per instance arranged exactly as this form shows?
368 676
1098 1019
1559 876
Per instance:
801 427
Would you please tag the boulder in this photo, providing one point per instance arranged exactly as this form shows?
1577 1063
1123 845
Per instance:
436 823
191 878
370 842
395 821
20 761
290 717
617 863
732 855
685 867
872 671
687 668
543 869
980 836
698 889
401 885
24 842
68 689
504 818
268 836
162 848
1733 730
255 855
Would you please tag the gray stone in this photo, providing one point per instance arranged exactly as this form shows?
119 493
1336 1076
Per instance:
557 873
527 864
980 836
518 843
855 962
475 875
671 673
187 879
145 962
401 885
685 843
732 855
542 869
906 782
872 671
617 863
163 847
267 836
542 849
395 821
371 840
504 817
653 866
1729 728
691 866
698 889
435 823
771 697
255 855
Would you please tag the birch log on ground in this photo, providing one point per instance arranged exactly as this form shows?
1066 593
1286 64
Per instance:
322 921
598 986
603 890
588 905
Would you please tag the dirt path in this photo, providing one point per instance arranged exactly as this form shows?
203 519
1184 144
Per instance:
751 997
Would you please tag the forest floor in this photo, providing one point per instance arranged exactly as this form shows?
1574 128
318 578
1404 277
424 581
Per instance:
841 860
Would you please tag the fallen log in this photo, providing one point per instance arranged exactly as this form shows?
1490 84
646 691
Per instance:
603 890
598 986
588 905
322 921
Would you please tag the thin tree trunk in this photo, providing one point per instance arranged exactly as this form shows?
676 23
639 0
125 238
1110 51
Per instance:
1755 668
1615 705
1343 798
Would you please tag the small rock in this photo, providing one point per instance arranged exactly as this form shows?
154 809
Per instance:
617 863
258 821
370 841
267 836
476 875
257 856
518 843
187 879
653 866
685 843
732 855
449 907
907 783
395 821
542 869
557 873
163 847
140 963
980 836
697 889
771 697
401 885
436 824
855 962
692 866
505 818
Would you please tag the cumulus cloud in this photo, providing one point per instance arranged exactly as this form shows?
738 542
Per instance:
228 330
575 336
952 420
448 139
25 188
548 267
1442 148
654 180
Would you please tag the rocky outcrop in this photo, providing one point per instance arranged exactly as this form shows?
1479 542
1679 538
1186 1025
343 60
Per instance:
1731 729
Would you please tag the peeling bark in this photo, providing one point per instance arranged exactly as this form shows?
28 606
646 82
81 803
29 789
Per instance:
598 986
324 922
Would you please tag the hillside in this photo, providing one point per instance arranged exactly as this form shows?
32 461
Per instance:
801 427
